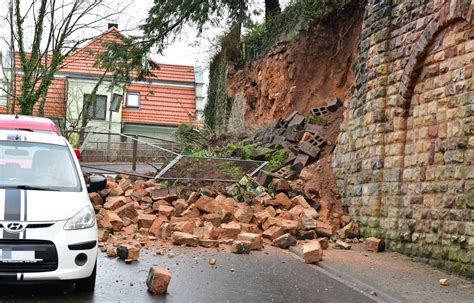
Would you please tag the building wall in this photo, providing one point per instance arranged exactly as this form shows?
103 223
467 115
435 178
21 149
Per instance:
405 155
77 88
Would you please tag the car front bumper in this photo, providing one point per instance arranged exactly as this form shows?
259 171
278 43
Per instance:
68 245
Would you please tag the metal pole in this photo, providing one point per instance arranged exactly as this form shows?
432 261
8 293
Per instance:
110 124
134 157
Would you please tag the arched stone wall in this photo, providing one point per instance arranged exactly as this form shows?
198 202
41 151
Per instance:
405 154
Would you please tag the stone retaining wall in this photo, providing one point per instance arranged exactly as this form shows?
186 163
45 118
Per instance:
405 155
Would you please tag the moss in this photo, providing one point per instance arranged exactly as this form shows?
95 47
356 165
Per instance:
314 119
276 160
164 184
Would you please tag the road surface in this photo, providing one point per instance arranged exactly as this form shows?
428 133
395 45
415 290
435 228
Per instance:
268 276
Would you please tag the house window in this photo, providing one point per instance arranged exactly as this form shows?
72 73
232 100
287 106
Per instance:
133 100
98 107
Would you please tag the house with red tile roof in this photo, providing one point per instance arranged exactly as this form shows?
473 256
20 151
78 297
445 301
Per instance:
172 95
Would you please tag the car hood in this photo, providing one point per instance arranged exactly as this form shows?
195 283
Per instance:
36 205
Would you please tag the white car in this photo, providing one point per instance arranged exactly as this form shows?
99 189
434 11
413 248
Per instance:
48 229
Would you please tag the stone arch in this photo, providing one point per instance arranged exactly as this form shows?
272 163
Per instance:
452 11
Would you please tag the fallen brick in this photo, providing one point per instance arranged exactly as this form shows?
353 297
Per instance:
183 226
166 210
145 221
312 252
209 243
241 247
342 245
289 226
180 238
273 232
127 210
230 230
115 221
127 251
285 241
244 214
155 226
214 219
324 242
323 229
158 280
96 199
165 231
112 203
306 235
111 251
180 206
102 235
374 244
256 241
206 204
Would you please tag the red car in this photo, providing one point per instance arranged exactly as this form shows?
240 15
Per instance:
33 124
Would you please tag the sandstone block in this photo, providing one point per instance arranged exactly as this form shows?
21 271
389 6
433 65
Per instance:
285 241
374 244
128 252
256 241
158 280
312 252
180 238
241 247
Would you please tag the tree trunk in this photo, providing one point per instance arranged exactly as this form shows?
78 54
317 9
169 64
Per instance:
272 8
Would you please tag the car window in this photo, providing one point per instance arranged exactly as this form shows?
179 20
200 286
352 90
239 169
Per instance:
39 165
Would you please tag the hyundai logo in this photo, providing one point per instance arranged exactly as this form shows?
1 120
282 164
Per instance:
15 227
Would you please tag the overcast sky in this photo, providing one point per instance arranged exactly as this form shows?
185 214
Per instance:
183 51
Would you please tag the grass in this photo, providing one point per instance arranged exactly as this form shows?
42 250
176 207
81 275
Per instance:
313 119
230 170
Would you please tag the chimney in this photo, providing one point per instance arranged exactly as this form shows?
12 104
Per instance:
110 25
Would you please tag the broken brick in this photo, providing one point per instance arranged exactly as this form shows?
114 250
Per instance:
112 203
180 238
285 241
256 241
273 232
127 210
166 210
312 252
230 230
127 251
158 280
374 244
241 247
244 214
145 221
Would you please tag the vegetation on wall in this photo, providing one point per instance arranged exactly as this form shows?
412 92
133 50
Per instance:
260 37
297 16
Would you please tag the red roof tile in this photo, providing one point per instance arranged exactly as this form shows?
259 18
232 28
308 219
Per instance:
82 61
161 105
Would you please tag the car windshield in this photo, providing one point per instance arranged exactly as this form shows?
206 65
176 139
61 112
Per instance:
37 166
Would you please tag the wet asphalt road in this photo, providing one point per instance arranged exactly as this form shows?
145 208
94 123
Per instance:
269 276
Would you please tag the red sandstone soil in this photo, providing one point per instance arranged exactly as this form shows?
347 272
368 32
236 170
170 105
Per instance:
303 73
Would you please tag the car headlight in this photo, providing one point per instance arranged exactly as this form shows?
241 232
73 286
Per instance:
83 219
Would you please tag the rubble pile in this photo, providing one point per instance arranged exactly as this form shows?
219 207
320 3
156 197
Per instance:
132 213
299 136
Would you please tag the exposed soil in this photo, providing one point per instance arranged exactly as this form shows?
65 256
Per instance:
303 73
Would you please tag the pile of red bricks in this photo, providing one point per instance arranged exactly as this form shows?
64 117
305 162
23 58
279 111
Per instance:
133 213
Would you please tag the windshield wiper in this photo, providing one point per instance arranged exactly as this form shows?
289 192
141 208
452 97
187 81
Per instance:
29 187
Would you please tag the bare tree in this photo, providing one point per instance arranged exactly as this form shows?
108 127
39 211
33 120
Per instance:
42 34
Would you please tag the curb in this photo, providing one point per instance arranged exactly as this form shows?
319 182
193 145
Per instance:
348 280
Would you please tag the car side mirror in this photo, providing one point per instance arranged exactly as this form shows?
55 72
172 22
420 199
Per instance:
96 183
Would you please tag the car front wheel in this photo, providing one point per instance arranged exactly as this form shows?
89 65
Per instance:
87 284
